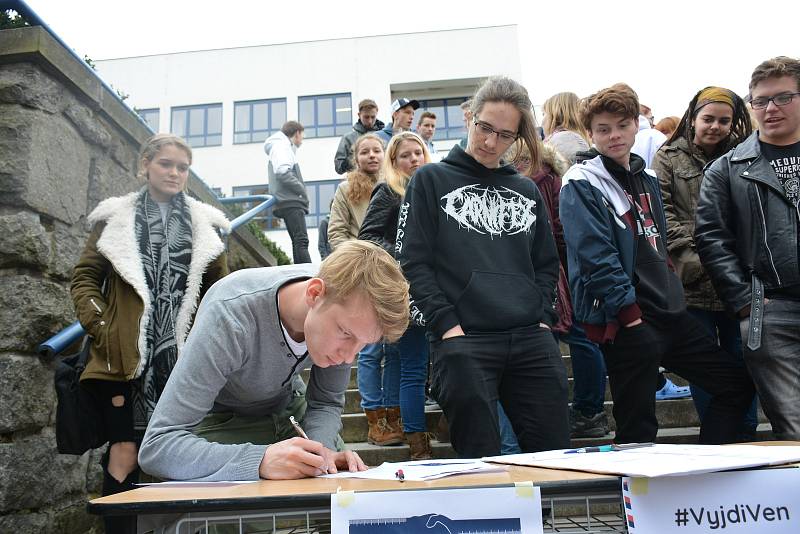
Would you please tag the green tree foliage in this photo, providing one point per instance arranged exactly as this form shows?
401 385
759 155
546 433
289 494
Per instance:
11 19
280 256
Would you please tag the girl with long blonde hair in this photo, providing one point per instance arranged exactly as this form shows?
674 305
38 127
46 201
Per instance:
405 366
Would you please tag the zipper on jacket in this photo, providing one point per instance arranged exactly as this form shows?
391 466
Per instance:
764 226
96 307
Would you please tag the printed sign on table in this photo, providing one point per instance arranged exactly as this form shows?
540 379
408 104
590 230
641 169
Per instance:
509 510
742 501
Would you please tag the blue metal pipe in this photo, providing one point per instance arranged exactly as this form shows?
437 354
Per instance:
59 342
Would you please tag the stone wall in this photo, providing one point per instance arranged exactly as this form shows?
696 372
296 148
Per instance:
66 143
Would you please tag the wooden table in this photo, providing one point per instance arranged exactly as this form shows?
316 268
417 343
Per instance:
314 492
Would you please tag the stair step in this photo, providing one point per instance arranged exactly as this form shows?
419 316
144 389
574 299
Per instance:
670 413
352 397
375 455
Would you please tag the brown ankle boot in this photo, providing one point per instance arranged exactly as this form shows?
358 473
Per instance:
420 444
379 431
393 419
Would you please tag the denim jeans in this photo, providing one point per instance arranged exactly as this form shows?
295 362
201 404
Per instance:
588 371
775 366
523 369
379 385
725 331
295 221
413 347
508 440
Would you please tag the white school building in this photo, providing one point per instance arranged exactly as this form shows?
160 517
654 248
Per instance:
226 102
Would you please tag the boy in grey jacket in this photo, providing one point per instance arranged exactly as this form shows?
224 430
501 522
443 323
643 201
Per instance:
224 412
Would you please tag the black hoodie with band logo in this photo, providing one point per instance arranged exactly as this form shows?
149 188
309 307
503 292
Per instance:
476 246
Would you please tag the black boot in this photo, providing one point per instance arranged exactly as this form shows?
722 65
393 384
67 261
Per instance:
120 524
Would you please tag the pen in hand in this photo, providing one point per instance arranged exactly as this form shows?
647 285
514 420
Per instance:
302 434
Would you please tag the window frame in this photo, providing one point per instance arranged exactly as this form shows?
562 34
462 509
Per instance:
311 130
206 134
143 112
442 123
251 131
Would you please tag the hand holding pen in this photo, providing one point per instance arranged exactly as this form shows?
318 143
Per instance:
302 434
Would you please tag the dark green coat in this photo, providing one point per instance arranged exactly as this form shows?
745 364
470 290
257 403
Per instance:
680 172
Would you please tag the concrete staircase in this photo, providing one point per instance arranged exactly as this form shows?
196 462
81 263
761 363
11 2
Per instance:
678 423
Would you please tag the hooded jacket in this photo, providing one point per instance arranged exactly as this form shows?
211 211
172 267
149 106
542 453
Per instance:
477 248
341 161
601 245
117 318
648 141
285 179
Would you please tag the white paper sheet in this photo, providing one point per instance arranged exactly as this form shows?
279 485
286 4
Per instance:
510 510
659 460
746 502
420 470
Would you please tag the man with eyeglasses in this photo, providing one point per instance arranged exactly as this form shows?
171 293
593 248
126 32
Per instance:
748 222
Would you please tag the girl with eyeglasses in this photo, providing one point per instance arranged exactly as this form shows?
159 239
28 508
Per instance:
715 121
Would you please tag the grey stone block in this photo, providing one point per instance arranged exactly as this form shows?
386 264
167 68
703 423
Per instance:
28 86
44 163
26 393
67 245
25 523
23 241
39 474
88 125
31 310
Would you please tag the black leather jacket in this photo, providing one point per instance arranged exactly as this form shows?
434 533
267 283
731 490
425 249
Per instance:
380 222
745 228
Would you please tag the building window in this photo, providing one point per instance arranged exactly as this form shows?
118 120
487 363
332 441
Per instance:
255 120
150 116
325 115
199 125
320 195
449 117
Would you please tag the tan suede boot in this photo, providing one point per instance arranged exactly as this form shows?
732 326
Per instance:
379 431
420 444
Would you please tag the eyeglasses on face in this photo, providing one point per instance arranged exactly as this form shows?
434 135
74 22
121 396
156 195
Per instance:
779 100
486 129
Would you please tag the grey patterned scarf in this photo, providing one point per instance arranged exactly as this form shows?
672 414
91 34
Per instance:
166 252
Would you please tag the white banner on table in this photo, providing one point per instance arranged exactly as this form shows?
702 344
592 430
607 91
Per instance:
743 501
509 510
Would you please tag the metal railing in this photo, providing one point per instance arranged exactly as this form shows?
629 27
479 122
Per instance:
69 335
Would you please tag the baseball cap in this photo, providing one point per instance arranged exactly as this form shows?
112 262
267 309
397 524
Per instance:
403 102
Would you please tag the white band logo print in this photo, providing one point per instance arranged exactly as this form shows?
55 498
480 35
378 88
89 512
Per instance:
490 210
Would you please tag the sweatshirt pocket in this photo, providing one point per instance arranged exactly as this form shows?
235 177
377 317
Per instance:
494 301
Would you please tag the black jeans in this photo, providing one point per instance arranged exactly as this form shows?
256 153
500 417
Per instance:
683 346
523 369
295 221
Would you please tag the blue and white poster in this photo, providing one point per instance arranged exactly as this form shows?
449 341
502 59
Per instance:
508 510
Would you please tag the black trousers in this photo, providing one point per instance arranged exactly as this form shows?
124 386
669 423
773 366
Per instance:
295 221
681 345
523 369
